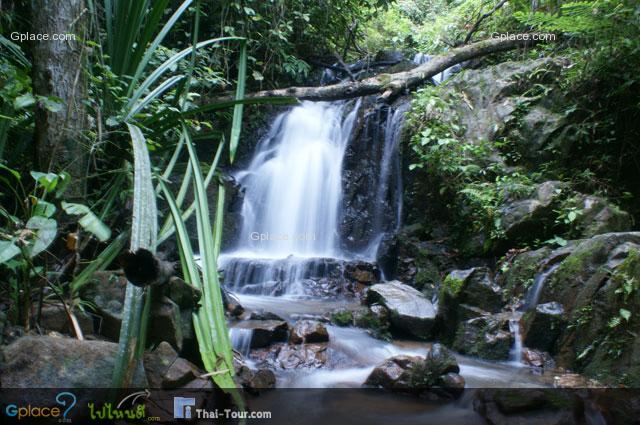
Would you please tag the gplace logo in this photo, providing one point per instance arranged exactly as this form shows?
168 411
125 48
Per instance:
182 407
66 399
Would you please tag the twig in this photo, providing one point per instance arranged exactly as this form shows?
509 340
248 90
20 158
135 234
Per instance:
476 26
344 66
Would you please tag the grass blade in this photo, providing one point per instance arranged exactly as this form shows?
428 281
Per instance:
236 125
144 230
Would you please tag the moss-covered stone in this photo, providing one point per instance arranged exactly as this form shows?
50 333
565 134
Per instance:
342 317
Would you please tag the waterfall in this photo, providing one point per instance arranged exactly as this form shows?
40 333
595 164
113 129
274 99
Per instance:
241 340
533 295
515 354
292 197
293 185
421 58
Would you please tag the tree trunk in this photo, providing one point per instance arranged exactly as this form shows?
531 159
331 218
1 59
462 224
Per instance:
58 70
391 85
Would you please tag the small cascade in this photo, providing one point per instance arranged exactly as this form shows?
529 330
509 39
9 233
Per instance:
515 354
241 340
533 295
422 58
389 167
372 182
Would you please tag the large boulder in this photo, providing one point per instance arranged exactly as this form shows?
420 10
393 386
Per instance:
522 218
59 362
464 295
595 215
409 311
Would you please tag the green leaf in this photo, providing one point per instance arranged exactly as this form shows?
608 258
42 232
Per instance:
44 208
89 221
52 103
625 314
24 101
47 181
46 230
236 125
64 179
8 250
11 171
257 76
101 262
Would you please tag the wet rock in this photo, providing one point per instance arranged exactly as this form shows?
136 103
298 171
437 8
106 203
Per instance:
363 217
475 287
362 272
265 332
465 294
375 320
435 375
409 310
45 362
543 326
392 374
537 359
308 331
487 337
264 315
255 379
309 356
574 380
54 317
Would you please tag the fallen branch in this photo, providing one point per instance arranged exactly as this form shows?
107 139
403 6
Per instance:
390 85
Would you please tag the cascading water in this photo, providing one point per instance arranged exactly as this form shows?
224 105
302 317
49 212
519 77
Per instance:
292 194
515 354
533 295
390 166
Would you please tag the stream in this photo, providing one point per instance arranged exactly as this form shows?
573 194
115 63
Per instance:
291 241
